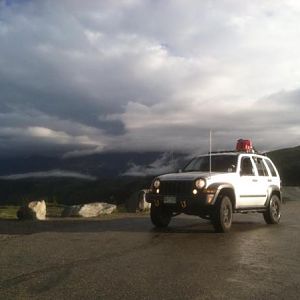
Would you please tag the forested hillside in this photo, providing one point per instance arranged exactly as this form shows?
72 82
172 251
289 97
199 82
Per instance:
288 164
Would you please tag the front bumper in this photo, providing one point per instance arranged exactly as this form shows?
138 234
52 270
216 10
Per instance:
199 204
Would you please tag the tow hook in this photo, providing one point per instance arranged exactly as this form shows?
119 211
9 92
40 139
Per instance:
156 203
183 204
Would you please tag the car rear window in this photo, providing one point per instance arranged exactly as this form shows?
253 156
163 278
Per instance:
271 168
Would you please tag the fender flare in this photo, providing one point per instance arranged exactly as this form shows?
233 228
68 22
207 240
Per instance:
218 187
271 190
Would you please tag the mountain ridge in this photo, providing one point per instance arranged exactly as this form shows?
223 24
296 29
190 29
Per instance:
109 177
115 164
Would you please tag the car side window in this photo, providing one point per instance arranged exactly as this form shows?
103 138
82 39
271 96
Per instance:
261 168
271 168
247 167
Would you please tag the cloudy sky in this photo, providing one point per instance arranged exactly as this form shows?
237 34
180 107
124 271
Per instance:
79 77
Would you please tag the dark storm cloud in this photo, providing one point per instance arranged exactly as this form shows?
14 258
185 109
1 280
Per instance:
79 77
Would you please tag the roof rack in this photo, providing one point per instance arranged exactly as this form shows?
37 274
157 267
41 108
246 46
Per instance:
227 151
254 151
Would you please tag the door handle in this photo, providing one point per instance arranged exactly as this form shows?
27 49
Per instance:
254 180
269 180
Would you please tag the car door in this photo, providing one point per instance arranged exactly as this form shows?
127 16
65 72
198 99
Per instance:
249 187
273 178
264 180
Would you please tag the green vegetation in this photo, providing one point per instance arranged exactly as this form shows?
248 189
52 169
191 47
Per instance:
54 210
121 209
8 212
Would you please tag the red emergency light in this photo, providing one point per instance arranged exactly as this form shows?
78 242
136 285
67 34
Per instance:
244 145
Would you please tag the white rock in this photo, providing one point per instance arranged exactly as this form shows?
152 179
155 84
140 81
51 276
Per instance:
34 210
96 209
143 205
89 210
137 202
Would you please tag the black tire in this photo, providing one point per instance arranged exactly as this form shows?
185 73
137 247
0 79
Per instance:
273 213
160 217
222 215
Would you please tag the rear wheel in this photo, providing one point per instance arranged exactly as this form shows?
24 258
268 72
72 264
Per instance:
273 213
160 217
222 216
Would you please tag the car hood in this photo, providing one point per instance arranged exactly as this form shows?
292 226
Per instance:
186 176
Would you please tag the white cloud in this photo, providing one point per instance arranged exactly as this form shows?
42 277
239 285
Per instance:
51 173
163 164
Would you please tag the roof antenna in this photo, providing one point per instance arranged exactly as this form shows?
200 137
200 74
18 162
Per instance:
210 153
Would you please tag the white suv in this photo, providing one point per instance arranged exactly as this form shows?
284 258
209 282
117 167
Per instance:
215 186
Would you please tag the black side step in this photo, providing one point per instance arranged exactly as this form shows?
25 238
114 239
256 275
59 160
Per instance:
246 210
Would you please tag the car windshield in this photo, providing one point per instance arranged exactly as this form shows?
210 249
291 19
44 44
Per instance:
219 163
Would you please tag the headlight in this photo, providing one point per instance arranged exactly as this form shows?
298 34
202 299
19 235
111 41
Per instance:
156 183
200 183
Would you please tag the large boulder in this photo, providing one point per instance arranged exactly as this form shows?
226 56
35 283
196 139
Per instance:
96 209
34 210
143 205
89 210
137 202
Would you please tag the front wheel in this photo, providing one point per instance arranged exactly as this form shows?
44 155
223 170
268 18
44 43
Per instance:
160 217
273 213
222 215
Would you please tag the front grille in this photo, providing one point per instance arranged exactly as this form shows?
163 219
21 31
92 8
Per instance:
176 187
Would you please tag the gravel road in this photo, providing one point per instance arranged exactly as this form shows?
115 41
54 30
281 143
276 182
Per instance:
123 257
